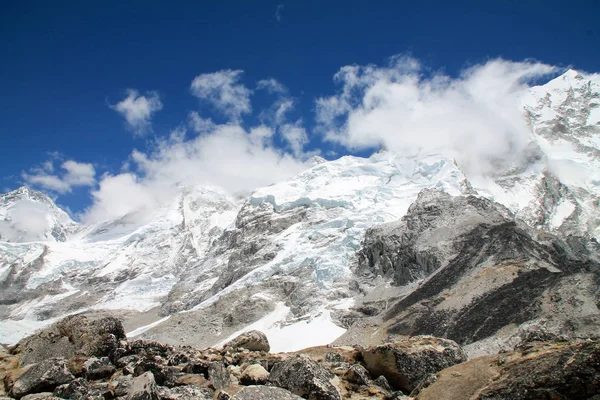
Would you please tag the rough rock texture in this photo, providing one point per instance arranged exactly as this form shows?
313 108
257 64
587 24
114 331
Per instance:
406 363
97 368
88 335
541 371
306 378
423 240
251 340
143 387
42 377
489 278
264 393
254 374
357 374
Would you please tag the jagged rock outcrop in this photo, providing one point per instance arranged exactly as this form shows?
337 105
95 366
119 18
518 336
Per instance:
408 362
425 238
486 277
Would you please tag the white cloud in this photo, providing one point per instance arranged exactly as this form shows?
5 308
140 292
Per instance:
271 85
222 90
138 110
278 12
25 221
476 115
296 137
229 157
76 174
199 124
79 174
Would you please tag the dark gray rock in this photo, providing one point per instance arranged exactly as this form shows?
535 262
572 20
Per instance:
357 374
45 376
40 396
265 393
143 387
219 375
185 393
407 362
333 357
304 377
383 383
98 368
251 340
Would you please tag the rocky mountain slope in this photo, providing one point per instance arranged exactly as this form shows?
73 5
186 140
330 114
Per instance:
391 244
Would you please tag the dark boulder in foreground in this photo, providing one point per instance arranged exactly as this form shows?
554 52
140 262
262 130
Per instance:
305 377
86 335
42 377
407 362
542 371
265 393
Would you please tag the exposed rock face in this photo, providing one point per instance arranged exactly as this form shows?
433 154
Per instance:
143 387
424 239
97 368
406 363
489 278
543 371
251 340
254 374
306 378
44 376
264 393
357 374
87 335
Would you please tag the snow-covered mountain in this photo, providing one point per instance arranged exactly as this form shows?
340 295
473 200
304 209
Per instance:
28 216
287 258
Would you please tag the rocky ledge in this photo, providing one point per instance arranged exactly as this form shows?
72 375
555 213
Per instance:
89 357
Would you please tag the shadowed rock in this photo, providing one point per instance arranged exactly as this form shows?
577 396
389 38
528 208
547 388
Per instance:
304 377
45 376
406 363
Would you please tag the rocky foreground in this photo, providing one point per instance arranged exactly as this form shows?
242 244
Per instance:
89 357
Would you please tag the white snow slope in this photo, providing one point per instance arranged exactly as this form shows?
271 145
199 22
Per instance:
187 255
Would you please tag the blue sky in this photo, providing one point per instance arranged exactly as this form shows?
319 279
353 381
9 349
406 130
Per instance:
67 64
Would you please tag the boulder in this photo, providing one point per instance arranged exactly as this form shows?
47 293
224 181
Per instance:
304 377
186 393
407 362
88 335
251 340
143 387
559 370
265 393
77 389
357 374
219 375
40 396
254 374
45 376
98 368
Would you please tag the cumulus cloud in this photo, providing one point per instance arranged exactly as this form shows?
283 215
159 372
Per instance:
75 174
138 110
228 156
399 107
292 132
223 91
